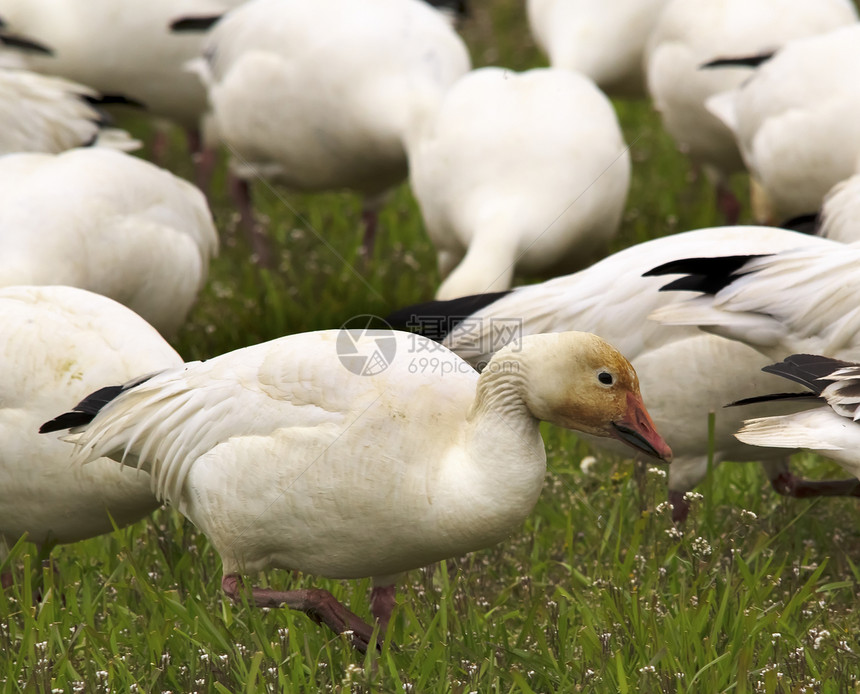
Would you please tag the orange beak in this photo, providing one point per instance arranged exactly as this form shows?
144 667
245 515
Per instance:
638 431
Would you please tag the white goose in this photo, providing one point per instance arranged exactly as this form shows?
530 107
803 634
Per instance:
288 455
122 48
689 34
604 39
520 172
684 373
108 222
39 113
58 344
322 95
800 300
840 211
831 430
795 120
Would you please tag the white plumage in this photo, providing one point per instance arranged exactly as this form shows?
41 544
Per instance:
285 456
684 374
801 300
604 39
831 430
689 34
58 344
322 95
108 222
120 48
520 172
840 211
39 113
795 120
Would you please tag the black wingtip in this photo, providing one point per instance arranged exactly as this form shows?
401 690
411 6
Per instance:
24 44
804 223
435 319
87 409
810 370
113 100
704 275
751 61
84 412
194 24
459 7
772 398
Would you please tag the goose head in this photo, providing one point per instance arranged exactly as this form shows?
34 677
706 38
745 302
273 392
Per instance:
579 381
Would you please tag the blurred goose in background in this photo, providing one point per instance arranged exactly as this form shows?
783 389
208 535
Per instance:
39 113
690 34
523 172
14 49
833 428
604 39
107 222
323 95
684 373
798 300
58 344
123 48
840 212
289 455
795 121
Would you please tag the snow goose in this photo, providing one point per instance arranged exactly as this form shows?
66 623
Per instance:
689 34
39 113
322 95
303 453
108 222
840 211
795 120
831 430
684 373
58 344
122 48
604 40
524 172
799 300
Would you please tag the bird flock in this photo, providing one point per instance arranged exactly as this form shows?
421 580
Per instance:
332 452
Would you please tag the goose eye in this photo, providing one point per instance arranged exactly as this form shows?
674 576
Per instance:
605 378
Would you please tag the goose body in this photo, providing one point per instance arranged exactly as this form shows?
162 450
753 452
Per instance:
525 172
322 95
120 48
795 120
107 222
833 428
58 344
840 211
689 34
39 113
800 300
604 40
684 373
287 455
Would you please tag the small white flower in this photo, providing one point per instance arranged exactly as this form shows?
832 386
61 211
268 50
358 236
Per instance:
586 464
749 515
693 496
647 670
657 472
701 546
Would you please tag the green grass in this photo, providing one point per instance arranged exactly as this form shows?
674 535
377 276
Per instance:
597 593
